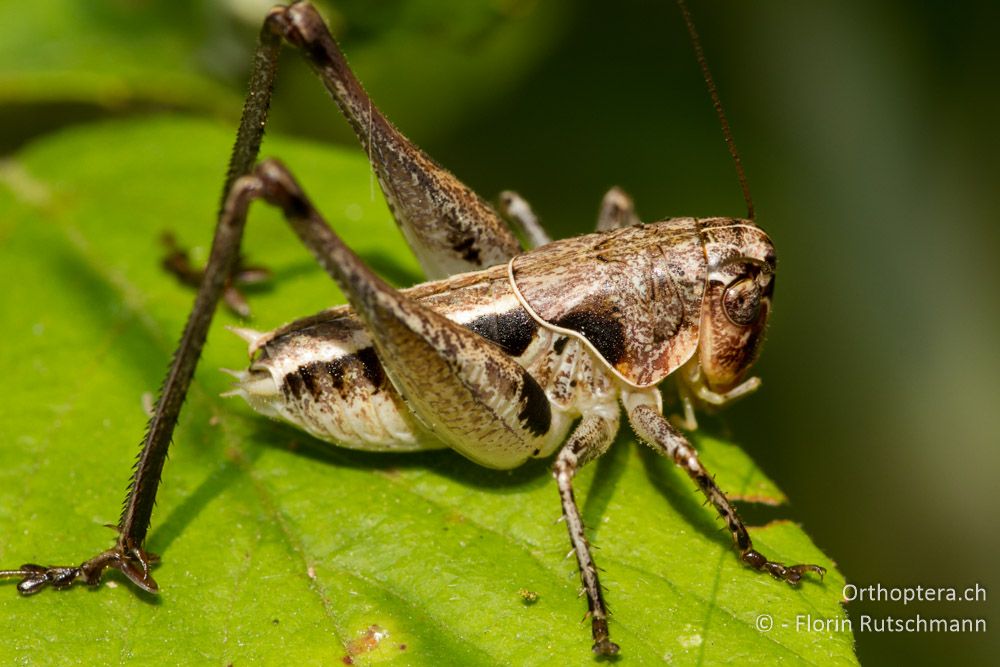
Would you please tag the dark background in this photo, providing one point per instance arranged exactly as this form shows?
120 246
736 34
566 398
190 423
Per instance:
867 131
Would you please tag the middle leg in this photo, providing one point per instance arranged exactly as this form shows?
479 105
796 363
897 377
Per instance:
660 434
617 211
590 439
516 208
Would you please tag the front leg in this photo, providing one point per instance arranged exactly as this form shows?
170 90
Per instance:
692 388
659 434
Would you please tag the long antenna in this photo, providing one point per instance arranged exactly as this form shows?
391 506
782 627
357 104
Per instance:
717 103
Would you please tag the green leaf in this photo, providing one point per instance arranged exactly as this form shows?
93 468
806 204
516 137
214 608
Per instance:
280 549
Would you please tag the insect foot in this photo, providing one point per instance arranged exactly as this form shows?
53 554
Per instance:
606 647
133 562
37 577
178 263
790 573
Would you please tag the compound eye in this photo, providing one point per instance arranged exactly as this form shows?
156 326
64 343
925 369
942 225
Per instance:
741 301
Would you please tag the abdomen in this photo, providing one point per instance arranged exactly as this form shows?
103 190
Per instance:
322 373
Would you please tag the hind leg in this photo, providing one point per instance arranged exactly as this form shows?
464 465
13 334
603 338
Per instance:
450 228
463 389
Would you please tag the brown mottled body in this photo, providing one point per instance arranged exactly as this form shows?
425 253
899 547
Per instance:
321 373
632 318
497 362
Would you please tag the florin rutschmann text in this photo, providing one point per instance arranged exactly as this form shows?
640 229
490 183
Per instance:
917 623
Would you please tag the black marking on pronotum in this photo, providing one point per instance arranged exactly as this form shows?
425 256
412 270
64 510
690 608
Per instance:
605 333
535 414
513 330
